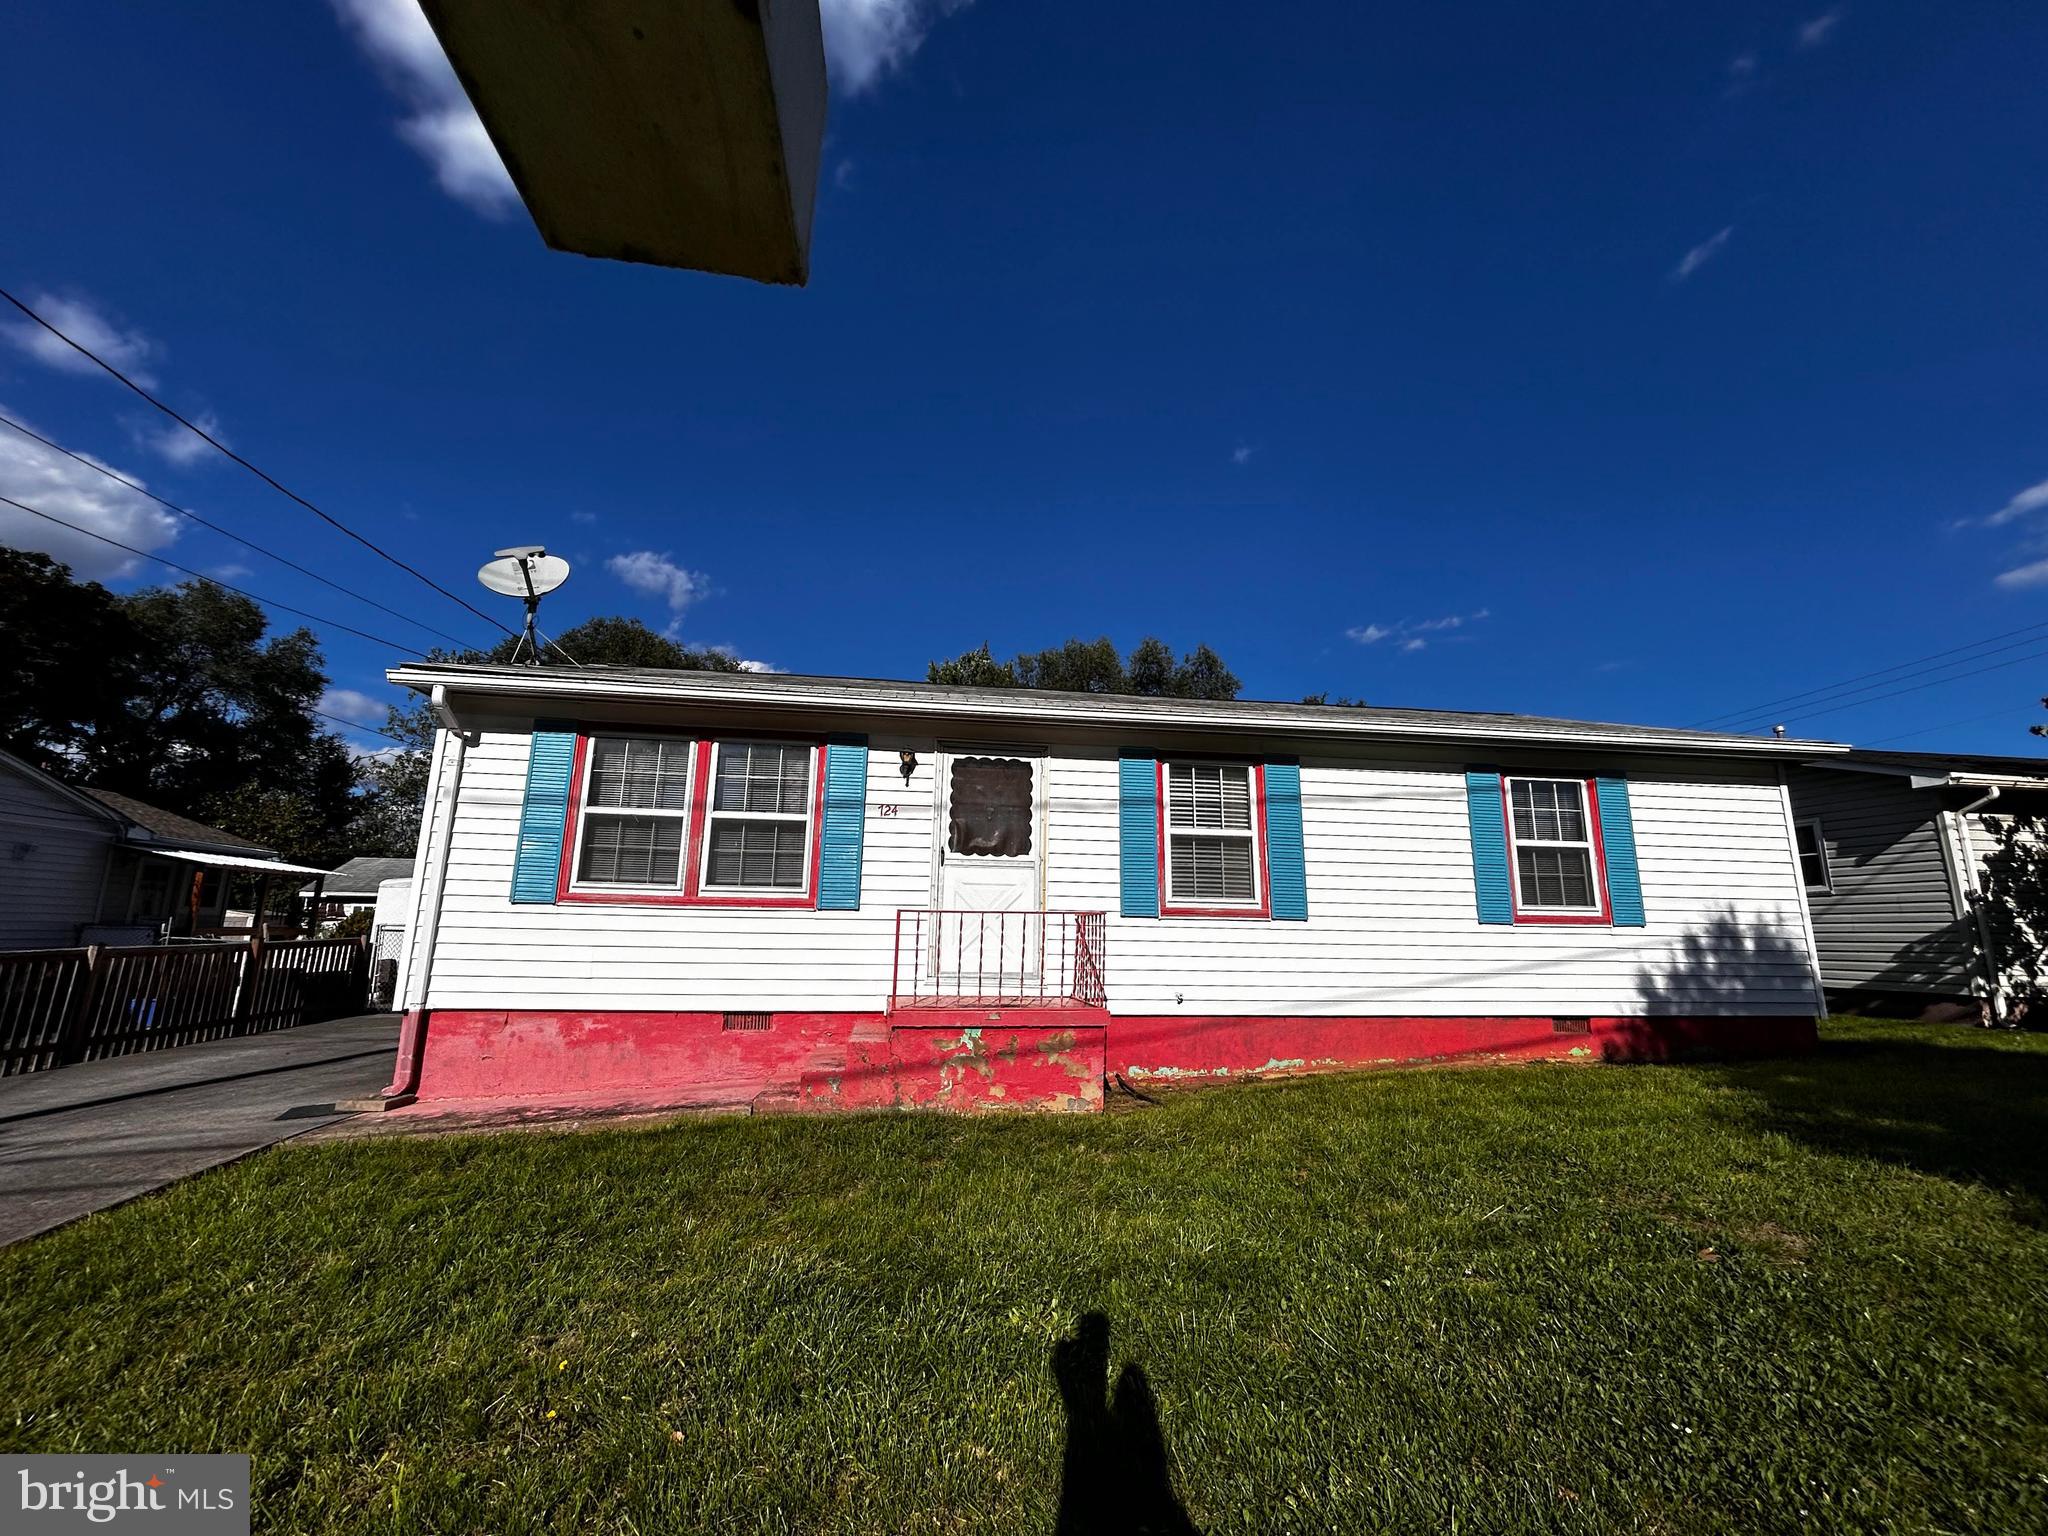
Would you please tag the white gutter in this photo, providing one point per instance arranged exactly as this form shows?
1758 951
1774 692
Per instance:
820 696
1993 973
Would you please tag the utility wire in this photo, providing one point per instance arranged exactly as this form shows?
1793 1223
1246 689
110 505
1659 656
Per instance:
9 421
267 479
354 725
1847 696
1929 730
1995 666
409 650
1848 683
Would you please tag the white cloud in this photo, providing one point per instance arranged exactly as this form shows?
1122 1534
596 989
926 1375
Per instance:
40 477
1742 66
1413 634
178 444
583 517
2035 575
748 665
842 175
1242 454
866 39
2032 499
657 575
440 123
228 572
1812 34
129 351
1701 254
352 705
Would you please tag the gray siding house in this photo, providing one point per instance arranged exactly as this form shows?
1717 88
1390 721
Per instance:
1891 849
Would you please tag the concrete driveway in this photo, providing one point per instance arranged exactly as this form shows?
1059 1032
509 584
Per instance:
82 1138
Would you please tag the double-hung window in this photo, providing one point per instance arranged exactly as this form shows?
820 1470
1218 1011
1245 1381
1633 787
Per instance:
759 833
1554 839
662 819
1210 846
636 813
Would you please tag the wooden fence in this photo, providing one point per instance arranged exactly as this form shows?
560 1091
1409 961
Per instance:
59 1006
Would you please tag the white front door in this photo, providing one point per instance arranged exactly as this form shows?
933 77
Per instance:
991 861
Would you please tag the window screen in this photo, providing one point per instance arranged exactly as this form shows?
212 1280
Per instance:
1553 846
636 806
758 834
988 808
1211 844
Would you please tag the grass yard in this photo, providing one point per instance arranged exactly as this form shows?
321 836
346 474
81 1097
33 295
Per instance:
1807 1294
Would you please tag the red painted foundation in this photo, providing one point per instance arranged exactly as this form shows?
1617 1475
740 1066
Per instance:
981 1060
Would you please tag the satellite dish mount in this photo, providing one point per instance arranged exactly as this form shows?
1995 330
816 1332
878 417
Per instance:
528 573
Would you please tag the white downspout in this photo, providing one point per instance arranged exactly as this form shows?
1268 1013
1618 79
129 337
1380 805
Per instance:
447 792
444 788
1992 971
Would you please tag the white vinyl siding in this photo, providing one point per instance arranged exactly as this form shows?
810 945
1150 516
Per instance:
53 854
1889 921
1392 928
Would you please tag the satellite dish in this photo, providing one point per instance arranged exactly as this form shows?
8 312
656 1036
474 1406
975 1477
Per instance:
525 573
529 572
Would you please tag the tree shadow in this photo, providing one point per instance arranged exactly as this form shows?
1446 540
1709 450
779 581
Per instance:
1115 1477
1973 1112
1731 989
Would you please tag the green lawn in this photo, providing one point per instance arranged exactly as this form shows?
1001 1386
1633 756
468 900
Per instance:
1805 1294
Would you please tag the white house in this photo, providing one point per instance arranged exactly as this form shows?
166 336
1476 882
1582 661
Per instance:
649 887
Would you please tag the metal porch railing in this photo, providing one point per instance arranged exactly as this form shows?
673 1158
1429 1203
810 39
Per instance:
960 959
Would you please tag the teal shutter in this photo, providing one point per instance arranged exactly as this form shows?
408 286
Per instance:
1286 866
537 863
1489 846
1138 835
846 816
1618 842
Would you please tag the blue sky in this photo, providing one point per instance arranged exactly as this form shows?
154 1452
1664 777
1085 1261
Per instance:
1626 361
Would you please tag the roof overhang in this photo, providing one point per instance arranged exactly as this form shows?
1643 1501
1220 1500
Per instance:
1922 778
685 133
840 701
236 861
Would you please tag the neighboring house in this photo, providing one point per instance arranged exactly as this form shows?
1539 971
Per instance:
354 886
687 887
84 866
1892 848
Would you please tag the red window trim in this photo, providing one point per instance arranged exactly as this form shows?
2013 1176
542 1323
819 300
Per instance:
1264 910
693 838
1604 918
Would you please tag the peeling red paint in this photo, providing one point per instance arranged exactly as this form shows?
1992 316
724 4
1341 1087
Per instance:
976 1060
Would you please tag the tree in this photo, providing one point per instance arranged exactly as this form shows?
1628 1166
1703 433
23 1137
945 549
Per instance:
612 642
1342 701
67 650
1093 666
178 696
972 669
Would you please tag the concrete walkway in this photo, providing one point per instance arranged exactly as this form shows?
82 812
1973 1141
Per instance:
82 1138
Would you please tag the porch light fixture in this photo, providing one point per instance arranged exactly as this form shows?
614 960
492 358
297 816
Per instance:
909 761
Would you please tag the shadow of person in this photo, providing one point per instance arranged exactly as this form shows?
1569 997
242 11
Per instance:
1115 1479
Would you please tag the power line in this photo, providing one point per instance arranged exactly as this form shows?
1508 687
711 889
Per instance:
410 650
368 730
267 479
9 421
1845 697
1995 666
1996 714
1849 683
